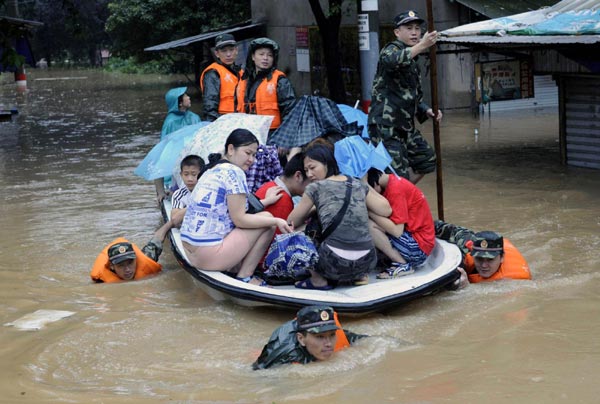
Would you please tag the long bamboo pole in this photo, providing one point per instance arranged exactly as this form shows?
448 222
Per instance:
434 107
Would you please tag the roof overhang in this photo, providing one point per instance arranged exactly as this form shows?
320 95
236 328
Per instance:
500 8
19 22
520 40
244 31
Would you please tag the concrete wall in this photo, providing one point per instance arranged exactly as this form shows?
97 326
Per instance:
455 72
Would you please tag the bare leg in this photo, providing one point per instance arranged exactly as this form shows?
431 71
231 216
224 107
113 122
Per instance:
383 244
317 280
256 252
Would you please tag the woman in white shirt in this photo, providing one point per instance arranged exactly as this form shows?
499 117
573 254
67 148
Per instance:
217 233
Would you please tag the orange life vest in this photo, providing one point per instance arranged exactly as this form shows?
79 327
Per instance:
513 266
266 98
144 266
229 82
342 341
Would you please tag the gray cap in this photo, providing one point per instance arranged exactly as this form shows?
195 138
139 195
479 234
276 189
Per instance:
224 40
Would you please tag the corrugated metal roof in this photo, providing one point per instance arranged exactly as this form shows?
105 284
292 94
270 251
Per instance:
500 8
523 39
567 22
202 37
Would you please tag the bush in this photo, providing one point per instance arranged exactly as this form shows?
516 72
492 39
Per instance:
132 66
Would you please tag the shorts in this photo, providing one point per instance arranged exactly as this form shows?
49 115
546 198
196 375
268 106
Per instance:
406 149
333 267
408 248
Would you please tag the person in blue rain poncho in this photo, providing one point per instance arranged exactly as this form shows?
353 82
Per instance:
178 116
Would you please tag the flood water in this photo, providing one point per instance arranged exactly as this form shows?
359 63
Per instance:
66 175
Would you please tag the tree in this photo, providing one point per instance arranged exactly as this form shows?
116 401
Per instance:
72 29
137 24
329 29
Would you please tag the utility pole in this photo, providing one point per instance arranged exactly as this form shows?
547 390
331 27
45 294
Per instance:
368 46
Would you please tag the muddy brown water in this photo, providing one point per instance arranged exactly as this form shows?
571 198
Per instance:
66 174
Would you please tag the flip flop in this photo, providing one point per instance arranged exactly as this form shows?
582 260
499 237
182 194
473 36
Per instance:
249 278
307 284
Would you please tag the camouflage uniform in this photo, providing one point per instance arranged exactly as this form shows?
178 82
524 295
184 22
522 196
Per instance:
153 249
283 346
454 234
397 98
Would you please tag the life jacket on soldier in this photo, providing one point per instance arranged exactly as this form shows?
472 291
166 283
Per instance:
229 82
513 266
266 102
101 271
342 341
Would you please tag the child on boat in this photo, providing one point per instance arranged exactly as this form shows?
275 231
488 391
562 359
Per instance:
406 237
191 167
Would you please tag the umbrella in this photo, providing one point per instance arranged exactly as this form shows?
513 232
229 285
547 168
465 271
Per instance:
355 156
355 115
310 118
159 162
211 138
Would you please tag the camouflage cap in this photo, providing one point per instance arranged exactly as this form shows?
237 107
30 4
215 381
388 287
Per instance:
120 252
224 40
316 319
407 17
487 244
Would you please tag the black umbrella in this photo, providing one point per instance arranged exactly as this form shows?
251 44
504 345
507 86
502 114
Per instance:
310 118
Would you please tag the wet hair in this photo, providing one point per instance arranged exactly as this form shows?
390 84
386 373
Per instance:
373 176
296 163
324 155
192 160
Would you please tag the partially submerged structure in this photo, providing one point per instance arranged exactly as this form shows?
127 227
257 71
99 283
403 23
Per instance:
562 40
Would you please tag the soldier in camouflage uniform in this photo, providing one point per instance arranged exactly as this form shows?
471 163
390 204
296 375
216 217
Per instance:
312 336
397 98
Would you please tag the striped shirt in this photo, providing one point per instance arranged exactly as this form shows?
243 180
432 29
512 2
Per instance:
181 198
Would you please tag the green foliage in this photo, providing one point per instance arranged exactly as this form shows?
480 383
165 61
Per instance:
132 66
137 24
73 29
10 58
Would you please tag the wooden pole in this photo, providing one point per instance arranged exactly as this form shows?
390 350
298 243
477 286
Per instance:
434 107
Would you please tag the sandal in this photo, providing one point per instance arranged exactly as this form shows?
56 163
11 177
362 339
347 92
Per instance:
248 280
396 270
307 284
362 281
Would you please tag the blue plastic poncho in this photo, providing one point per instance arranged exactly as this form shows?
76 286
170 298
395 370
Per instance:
176 119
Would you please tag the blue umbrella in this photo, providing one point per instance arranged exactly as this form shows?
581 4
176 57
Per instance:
160 161
355 115
355 156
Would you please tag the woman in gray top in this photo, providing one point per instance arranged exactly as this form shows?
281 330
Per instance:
348 253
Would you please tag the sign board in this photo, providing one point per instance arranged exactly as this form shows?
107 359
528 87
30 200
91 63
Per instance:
302 60
503 80
369 5
363 41
363 22
302 37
